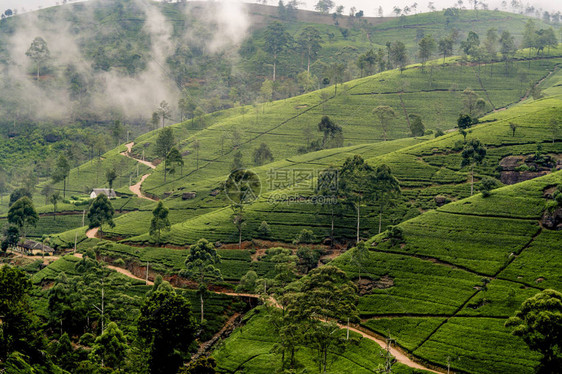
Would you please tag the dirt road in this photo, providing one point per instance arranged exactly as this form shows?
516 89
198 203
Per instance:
128 154
136 188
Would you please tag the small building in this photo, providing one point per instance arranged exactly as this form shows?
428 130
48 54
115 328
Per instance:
33 247
110 193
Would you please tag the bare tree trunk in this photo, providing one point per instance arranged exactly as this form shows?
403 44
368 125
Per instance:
332 230
201 298
405 112
358 207
472 180
274 66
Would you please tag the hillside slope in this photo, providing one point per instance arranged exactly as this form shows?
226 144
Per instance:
429 169
458 273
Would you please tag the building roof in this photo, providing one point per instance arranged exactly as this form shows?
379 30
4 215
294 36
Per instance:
105 191
31 245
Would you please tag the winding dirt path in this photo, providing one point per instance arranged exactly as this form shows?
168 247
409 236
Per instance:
127 153
91 233
398 354
136 188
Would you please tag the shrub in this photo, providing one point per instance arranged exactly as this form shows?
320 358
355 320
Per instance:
264 229
248 282
119 262
438 133
91 253
308 258
459 145
487 184
395 234
305 236
87 339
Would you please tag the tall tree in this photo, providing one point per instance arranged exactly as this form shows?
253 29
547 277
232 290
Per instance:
325 293
539 324
327 187
200 266
164 112
166 326
471 46
262 155
18 194
46 191
469 100
353 176
309 41
398 55
54 199
239 220
491 42
101 212
335 72
22 214
173 160
237 162
164 143
117 131
445 48
473 153
11 237
38 52
384 114
465 121
110 175
159 222
385 187
324 6
426 47
111 347
186 106
19 332
277 39
330 131
507 48
417 127
62 169
367 61
196 145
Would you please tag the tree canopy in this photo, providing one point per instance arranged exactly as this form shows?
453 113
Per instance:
101 212
539 324
166 325
23 214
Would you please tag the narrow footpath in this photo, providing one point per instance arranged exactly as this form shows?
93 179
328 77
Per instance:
136 188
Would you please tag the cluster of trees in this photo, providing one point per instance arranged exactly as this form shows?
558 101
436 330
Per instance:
21 217
357 185
91 331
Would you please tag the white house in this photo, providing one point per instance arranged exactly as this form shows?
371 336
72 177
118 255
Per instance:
102 191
